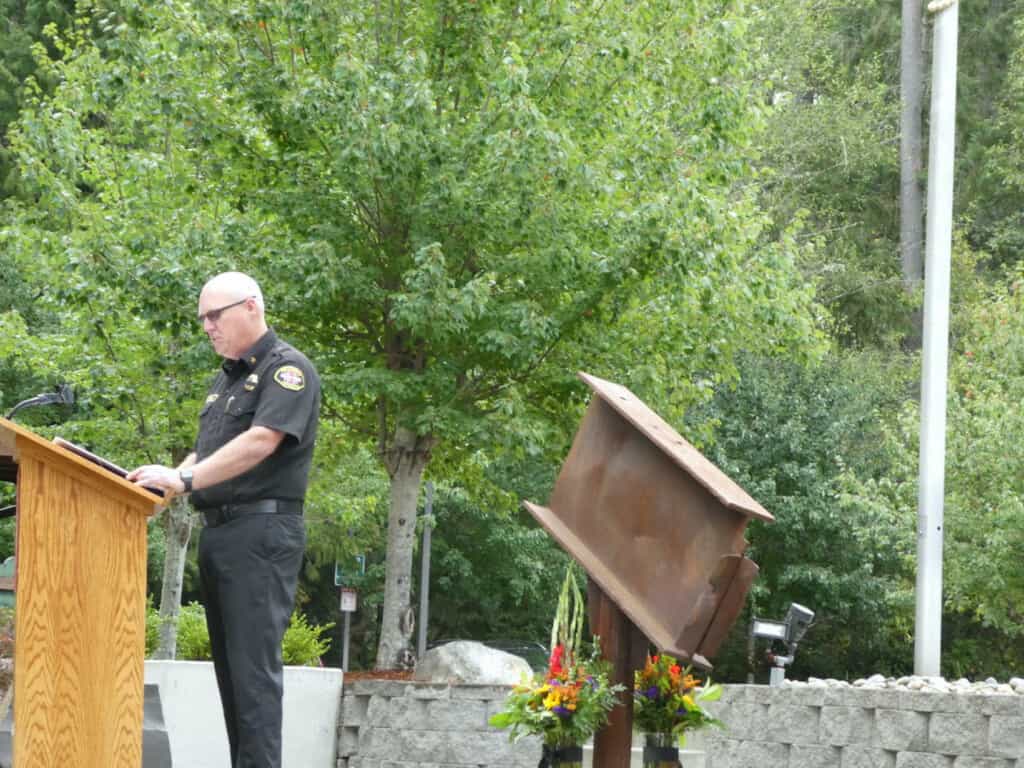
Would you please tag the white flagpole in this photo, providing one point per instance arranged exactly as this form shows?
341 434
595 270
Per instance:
934 369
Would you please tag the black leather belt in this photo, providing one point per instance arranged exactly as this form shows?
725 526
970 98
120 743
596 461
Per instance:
214 516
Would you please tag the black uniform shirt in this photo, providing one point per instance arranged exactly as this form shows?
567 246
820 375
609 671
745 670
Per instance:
273 385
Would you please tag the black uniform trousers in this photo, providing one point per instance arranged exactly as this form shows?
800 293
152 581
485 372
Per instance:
249 568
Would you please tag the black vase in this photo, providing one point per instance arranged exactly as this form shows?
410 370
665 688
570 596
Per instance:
661 750
561 757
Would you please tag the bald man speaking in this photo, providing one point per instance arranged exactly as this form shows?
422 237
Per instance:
248 476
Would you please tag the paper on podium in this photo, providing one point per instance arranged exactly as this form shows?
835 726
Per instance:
99 461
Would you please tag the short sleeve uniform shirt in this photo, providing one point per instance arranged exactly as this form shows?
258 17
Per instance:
273 385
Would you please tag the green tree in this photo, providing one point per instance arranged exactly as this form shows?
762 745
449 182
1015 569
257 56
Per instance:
468 189
983 595
805 441
495 575
105 205
21 27
447 199
996 216
985 483
831 74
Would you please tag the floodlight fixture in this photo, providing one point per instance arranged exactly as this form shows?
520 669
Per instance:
772 630
798 619
789 631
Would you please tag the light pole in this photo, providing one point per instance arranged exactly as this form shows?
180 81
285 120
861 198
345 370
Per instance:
934 365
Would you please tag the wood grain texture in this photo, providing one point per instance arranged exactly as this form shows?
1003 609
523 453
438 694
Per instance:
625 647
15 439
80 632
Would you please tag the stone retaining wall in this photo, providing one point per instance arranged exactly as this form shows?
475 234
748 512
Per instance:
421 724
426 724
848 727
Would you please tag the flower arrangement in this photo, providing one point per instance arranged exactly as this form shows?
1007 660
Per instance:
668 699
567 703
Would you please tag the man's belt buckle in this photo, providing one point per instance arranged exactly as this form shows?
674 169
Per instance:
228 512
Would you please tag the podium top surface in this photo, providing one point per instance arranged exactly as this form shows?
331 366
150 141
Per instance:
11 434
663 435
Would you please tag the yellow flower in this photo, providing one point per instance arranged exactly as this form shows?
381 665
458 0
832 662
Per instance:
689 700
552 700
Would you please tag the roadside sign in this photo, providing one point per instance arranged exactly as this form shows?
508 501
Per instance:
348 600
341 575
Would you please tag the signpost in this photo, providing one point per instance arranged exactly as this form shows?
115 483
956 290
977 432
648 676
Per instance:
348 607
339 572
421 645
348 600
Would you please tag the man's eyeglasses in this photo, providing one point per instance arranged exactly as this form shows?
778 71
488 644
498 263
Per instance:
214 314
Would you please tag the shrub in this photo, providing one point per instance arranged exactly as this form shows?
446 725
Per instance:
303 643
193 639
152 627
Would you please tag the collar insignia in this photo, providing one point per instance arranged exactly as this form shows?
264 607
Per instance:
211 398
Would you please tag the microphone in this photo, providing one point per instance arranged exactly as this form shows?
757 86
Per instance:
63 396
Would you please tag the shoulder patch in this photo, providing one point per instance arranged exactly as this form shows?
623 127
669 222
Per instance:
290 377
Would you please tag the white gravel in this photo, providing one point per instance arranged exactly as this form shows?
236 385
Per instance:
1015 686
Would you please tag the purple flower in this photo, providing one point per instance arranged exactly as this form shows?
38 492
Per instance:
652 692
562 712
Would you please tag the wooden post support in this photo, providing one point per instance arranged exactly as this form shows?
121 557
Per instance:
625 646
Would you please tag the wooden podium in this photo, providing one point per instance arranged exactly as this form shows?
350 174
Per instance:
80 590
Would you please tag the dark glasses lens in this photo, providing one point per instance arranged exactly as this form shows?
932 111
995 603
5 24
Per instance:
214 314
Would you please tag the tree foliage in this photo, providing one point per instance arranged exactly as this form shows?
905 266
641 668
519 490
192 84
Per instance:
984 510
798 439
444 196
21 27
454 207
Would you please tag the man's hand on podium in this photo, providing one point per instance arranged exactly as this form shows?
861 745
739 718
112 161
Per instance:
155 476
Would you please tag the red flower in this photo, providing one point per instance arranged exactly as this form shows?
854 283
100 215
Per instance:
555 662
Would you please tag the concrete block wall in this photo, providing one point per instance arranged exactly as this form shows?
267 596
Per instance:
851 727
421 725
426 725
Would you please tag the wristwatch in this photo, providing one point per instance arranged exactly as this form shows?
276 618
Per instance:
186 479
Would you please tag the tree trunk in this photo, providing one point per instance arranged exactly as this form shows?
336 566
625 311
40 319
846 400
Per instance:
405 462
177 530
911 85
